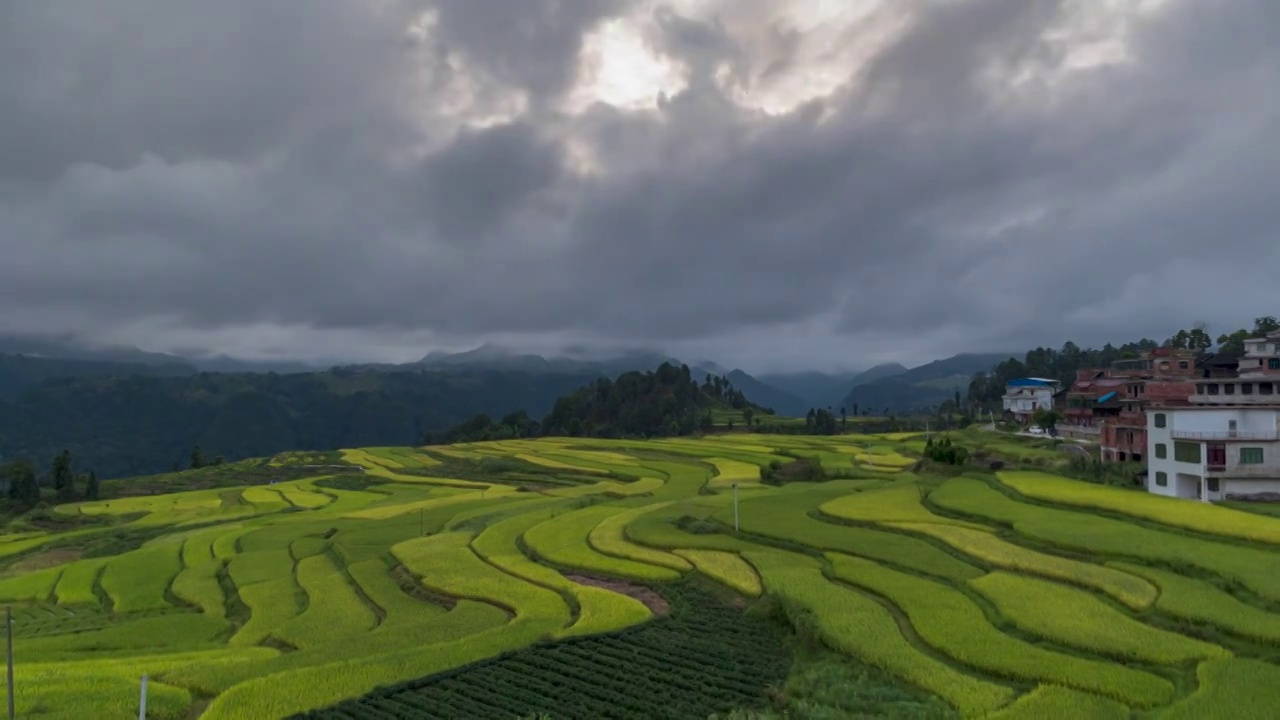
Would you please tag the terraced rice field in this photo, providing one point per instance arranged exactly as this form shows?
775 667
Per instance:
610 582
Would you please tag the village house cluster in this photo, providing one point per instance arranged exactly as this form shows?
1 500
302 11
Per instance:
1205 425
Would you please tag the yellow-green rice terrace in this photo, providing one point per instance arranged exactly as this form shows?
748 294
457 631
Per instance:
1005 594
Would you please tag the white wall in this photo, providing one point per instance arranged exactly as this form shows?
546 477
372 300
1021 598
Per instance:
1029 399
1218 420
1210 421
1168 465
1248 487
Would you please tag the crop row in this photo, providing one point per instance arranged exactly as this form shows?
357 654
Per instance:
563 541
951 623
1074 617
446 564
333 609
1210 519
609 537
787 518
641 673
860 627
599 610
465 619
897 503
1128 588
1256 568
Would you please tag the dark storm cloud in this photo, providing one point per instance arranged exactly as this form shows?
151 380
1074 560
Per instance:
203 167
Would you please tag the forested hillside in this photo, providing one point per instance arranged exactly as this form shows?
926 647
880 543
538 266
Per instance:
662 403
19 372
137 425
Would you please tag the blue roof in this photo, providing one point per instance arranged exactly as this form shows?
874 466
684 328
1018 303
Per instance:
1031 382
1107 397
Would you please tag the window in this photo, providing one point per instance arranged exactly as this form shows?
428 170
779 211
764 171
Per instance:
1186 452
1200 388
1161 420
1213 388
1182 365
1162 479
1229 389
1213 484
1273 363
1265 388
1164 365
1217 455
1162 451
1250 456
1246 388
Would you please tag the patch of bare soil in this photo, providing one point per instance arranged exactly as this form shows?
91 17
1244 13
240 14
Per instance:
46 559
657 604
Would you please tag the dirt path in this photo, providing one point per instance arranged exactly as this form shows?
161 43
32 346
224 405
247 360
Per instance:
656 603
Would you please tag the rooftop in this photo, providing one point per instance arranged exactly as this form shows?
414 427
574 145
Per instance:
1032 382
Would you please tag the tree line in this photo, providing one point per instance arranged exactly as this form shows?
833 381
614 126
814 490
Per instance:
662 403
23 484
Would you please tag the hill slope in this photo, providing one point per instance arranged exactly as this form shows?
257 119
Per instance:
138 425
920 388
598 578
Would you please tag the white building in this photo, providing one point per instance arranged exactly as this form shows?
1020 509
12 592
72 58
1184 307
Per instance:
1024 396
1261 357
1223 445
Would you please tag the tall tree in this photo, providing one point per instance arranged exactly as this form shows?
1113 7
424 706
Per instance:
20 477
197 458
91 489
63 478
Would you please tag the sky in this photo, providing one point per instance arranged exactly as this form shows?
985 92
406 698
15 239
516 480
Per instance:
776 185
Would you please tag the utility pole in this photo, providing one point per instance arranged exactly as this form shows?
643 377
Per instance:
735 507
142 706
8 623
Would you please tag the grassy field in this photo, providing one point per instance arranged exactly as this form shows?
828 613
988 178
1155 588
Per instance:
598 578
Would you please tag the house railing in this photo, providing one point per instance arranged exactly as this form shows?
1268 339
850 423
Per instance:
1225 434
1259 471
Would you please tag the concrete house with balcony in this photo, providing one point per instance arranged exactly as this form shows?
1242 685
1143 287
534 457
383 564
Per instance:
1261 357
1024 396
1221 443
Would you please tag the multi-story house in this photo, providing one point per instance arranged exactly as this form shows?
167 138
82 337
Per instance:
1124 434
1024 396
1222 441
1089 401
1261 356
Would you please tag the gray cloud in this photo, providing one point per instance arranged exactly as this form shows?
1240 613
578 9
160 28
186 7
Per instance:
396 174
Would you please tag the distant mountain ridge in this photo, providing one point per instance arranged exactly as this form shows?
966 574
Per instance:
921 388
64 348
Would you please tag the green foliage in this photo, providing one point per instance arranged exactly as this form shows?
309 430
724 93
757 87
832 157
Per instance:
946 452
1044 418
801 470
665 402
240 415
91 487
